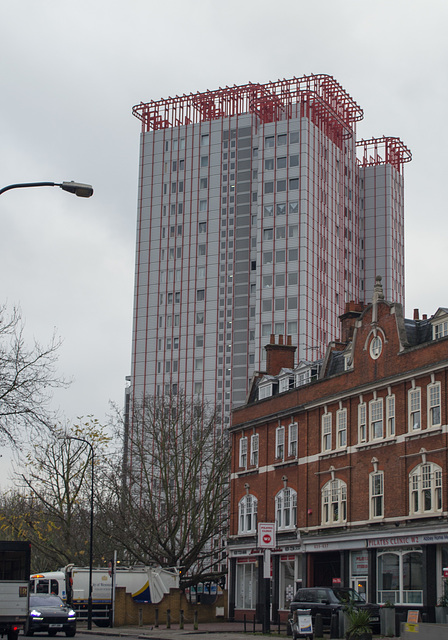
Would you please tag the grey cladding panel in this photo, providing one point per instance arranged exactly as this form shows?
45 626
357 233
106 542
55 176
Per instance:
240 325
245 142
243 164
242 221
244 153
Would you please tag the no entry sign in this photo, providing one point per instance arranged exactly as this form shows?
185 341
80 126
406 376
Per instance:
266 535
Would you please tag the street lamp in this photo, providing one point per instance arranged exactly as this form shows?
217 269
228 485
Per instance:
78 188
89 602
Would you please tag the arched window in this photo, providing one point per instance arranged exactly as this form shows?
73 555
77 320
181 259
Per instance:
286 509
334 502
425 489
247 514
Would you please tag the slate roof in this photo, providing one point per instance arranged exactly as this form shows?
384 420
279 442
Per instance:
336 364
418 331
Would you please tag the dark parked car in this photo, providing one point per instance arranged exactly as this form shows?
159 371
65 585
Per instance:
327 600
50 614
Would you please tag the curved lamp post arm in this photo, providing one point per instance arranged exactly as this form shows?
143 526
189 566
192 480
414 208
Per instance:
78 188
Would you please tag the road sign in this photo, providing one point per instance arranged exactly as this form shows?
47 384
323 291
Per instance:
266 535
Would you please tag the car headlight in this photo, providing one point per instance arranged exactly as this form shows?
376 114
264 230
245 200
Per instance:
71 614
35 613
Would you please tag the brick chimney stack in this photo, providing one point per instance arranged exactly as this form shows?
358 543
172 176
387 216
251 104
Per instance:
348 319
279 355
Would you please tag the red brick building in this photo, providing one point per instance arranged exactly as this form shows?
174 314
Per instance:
348 457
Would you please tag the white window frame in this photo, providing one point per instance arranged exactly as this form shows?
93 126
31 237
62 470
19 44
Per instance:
434 404
280 443
246 585
243 452
341 428
390 416
287 581
440 330
376 490
265 391
254 451
398 595
362 422
247 514
425 484
414 409
302 377
293 437
348 364
286 383
334 502
326 432
375 410
286 509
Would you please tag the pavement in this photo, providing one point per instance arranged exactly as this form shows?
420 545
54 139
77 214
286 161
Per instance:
205 631
212 631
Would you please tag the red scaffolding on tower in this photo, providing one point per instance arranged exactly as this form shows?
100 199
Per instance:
385 150
320 98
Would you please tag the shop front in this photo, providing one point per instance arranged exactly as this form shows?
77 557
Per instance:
407 571
246 577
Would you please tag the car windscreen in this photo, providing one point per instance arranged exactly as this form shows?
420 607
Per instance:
47 601
347 595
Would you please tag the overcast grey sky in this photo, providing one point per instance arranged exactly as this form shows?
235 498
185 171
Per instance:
70 74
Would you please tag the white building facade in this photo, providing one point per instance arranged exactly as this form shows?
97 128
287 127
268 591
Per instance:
256 217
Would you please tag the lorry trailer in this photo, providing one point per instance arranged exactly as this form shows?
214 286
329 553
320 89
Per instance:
145 584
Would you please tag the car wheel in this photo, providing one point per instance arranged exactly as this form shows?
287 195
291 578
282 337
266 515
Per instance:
70 633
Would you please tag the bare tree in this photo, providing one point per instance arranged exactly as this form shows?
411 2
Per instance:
50 505
27 376
173 506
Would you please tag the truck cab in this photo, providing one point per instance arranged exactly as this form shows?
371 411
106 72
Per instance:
15 560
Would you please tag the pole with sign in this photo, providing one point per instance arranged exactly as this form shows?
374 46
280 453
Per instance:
266 541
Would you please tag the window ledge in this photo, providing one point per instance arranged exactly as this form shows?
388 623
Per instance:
333 525
377 520
335 453
427 514
423 433
247 472
374 444
284 463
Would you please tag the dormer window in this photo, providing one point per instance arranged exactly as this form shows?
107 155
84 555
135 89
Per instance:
286 383
265 391
303 377
267 387
439 323
306 372
285 380
348 364
440 330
